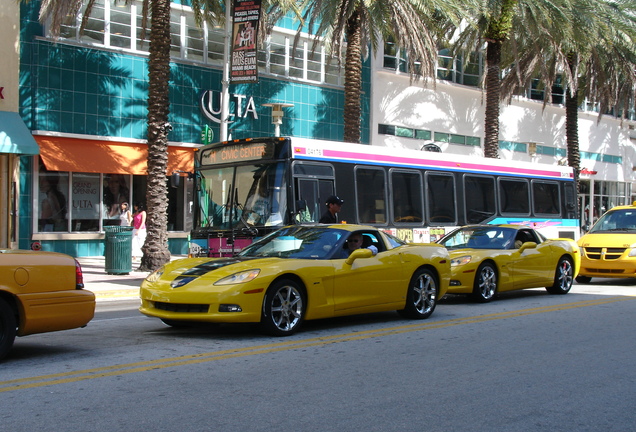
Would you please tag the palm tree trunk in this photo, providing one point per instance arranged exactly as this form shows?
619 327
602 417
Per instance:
155 249
353 79
493 91
572 126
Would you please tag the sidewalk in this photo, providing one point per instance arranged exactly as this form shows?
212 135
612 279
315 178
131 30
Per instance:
112 287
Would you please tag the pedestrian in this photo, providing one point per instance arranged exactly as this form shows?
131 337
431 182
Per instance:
139 231
330 216
125 216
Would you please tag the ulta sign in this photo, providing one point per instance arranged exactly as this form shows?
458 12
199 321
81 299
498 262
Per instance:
243 105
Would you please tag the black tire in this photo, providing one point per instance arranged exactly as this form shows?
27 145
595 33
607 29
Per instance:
563 277
283 308
583 279
485 287
421 296
8 328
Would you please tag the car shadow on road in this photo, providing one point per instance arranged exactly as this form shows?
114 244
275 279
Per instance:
251 330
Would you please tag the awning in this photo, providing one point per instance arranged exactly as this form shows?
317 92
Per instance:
96 156
15 137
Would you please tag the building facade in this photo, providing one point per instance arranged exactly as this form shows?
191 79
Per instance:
83 99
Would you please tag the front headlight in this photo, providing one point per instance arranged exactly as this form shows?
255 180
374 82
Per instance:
632 252
237 278
155 275
460 260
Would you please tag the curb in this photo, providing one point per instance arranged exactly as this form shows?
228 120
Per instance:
125 294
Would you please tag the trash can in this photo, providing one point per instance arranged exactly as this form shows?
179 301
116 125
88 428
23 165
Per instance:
118 251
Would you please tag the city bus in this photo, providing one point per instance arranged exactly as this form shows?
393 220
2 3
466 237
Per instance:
247 188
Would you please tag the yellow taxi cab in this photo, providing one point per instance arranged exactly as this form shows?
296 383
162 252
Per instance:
608 250
40 292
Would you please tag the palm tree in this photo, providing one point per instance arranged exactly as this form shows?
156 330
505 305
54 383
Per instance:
595 59
414 25
494 24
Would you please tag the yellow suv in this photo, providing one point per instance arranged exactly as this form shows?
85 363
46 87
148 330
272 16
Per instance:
609 248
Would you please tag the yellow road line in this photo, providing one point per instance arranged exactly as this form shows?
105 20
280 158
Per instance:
115 370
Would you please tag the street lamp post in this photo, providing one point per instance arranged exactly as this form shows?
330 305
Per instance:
225 82
277 114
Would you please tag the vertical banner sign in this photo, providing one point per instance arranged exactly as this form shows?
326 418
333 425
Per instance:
246 14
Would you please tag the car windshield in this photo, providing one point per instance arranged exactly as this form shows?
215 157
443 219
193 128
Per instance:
479 238
616 221
301 242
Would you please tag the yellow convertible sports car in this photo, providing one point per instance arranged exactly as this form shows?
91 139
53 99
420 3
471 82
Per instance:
486 259
301 273
40 292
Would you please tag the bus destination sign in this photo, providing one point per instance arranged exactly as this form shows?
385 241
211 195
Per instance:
237 153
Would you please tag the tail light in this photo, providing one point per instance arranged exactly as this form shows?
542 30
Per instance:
79 276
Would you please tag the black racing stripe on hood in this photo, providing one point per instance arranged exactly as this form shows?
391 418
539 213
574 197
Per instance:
202 269
209 266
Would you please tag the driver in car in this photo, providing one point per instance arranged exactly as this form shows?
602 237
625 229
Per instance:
355 242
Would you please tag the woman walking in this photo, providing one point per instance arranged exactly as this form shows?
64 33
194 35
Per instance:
139 231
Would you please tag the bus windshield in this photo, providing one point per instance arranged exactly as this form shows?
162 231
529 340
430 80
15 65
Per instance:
242 196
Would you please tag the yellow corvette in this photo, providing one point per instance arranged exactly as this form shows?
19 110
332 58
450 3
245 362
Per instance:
40 292
301 273
486 259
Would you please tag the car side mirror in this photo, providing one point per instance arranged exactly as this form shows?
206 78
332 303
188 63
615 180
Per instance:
527 245
359 253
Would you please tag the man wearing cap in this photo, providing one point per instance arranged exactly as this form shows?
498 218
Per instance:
330 216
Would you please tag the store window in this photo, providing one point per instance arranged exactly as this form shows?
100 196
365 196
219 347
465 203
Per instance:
53 201
87 202
116 192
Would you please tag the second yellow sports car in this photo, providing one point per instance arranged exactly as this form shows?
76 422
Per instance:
301 273
486 259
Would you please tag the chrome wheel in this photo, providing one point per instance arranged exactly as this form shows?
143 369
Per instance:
283 309
485 283
563 278
421 297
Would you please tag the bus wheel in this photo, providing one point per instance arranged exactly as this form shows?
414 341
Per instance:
583 279
283 308
421 297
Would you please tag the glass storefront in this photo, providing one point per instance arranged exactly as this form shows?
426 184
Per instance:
75 202
598 196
